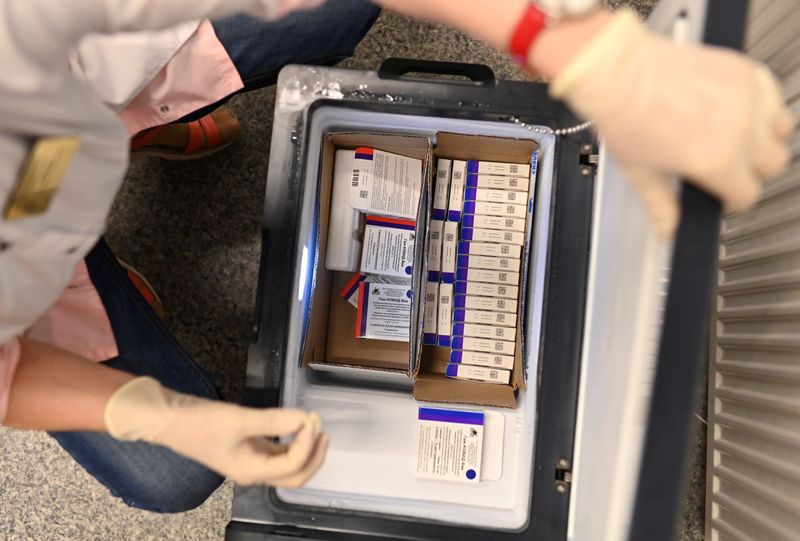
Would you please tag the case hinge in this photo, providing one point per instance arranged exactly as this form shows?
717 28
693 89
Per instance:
563 477
588 159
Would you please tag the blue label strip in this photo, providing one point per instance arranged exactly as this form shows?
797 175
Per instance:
448 277
429 339
458 315
444 340
470 194
458 329
438 214
472 180
364 302
455 357
457 342
433 276
460 287
454 216
459 301
451 416
463 247
466 233
461 274
472 166
469 207
462 261
469 221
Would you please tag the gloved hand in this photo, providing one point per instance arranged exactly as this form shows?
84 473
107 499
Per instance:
708 114
227 438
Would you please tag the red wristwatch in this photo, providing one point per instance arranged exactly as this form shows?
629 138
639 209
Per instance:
533 21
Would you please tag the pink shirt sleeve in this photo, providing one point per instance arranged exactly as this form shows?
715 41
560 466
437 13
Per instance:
77 322
199 74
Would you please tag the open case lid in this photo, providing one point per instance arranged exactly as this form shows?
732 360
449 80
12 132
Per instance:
630 360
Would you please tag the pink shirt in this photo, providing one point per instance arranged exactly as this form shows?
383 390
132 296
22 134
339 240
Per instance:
200 73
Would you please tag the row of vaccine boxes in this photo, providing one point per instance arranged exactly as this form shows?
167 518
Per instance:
476 239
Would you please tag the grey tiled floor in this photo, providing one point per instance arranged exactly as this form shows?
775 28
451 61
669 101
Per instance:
193 229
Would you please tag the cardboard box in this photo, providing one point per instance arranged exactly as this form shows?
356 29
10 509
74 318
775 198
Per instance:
430 382
329 338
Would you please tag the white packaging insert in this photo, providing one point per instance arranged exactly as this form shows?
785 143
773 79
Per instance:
435 244
441 191
500 347
489 276
456 190
488 262
384 312
489 248
478 373
499 168
482 359
497 304
485 208
492 235
445 314
449 247
343 238
495 196
492 332
373 429
486 290
388 246
494 182
385 183
484 317
430 316
494 222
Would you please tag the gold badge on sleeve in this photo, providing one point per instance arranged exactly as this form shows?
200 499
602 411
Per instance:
40 176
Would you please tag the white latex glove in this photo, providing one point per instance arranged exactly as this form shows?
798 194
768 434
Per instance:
227 438
705 113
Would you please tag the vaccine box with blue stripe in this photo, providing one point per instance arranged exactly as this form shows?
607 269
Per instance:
457 445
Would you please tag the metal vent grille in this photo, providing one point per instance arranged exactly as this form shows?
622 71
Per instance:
754 378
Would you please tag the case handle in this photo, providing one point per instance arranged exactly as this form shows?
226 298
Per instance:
395 68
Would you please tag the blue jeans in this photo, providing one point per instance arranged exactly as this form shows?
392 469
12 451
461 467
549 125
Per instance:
150 476
320 37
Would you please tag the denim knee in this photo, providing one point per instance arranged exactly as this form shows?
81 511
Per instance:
143 475
181 486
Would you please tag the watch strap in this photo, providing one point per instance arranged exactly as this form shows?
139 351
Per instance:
527 30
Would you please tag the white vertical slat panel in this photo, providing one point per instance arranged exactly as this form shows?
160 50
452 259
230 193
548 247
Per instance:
753 489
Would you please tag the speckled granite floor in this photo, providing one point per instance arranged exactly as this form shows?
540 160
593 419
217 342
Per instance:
193 229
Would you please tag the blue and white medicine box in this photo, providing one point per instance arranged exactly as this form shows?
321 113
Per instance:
443 434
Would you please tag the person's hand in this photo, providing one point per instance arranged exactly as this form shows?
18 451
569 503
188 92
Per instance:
227 438
708 114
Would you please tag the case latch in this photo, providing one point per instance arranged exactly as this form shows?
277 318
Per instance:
563 478
588 159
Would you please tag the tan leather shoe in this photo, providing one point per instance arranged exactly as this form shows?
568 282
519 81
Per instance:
188 140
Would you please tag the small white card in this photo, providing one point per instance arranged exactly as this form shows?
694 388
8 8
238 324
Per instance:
385 183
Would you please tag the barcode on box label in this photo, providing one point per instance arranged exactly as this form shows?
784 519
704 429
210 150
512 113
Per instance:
363 194
355 179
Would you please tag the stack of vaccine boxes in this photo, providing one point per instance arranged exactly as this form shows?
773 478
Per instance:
477 233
